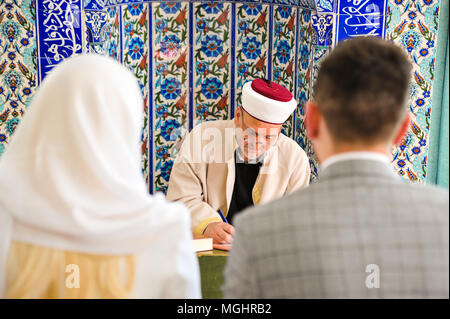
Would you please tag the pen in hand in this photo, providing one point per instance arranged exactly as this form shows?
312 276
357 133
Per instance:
222 216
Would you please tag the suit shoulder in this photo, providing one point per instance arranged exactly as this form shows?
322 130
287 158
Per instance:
432 193
275 214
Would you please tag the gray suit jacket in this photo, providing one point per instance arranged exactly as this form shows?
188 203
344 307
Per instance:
360 231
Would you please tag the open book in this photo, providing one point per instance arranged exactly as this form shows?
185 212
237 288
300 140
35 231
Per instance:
202 244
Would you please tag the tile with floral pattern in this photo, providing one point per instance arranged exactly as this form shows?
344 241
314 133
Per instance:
170 85
283 52
252 44
413 25
319 53
324 5
112 47
135 57
18 64
304 85
211 61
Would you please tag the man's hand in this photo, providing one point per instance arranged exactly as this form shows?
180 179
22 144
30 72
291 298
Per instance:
220 232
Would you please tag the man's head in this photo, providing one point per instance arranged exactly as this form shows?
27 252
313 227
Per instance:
265 107
255 136
360 98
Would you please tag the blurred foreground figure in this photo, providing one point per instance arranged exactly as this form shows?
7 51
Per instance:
76 220
360 231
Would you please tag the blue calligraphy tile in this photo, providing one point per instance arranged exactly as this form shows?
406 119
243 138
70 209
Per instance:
348 26
361 7
59 32
359 17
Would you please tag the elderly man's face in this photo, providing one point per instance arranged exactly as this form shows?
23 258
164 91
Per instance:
255 137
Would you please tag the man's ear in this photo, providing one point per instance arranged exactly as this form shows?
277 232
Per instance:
403 130
312 120
237 116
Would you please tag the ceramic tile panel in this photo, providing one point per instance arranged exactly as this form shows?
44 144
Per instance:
211 61
252 44
413 25
135 38
96 5
113 39
171 91
325 5
322 26
283 53
18 64
95 22
59 32
358 18
304 84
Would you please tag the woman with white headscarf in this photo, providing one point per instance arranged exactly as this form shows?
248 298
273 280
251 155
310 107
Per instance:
76 220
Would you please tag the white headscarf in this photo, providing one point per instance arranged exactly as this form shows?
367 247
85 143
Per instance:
71 177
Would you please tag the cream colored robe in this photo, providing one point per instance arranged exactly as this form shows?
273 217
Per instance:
203 173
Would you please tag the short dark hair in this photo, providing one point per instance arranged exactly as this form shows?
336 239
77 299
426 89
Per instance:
361 89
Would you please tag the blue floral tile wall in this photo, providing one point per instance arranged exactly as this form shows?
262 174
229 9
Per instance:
112 42
211 58
18 64
170 86
191 59
325 5
413 25
135 55
283 52
252 44
305 63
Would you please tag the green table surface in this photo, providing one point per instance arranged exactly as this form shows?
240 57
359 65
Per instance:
212 264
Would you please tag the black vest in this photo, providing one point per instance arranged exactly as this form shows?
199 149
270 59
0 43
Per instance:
245 178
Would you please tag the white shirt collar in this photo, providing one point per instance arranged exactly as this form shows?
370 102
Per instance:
375 156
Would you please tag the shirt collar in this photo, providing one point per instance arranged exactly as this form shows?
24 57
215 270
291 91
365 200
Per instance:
366 155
